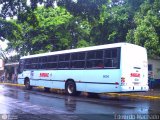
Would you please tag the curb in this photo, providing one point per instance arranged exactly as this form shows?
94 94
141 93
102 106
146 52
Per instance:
137 96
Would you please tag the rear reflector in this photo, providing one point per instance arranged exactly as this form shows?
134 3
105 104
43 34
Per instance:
116 83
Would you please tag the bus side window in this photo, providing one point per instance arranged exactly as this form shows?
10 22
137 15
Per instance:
108 63
100 64
95 59
21 66
112 58
78 60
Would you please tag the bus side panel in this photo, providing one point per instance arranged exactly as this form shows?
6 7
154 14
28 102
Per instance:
22 76
47 78
105 80
35 77
51 84
95 80
75 75
57 78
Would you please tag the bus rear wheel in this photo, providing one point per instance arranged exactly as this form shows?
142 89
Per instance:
27 85
70 88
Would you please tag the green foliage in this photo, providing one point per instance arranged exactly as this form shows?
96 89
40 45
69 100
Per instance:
11 8
79 23
9 30
82 43
147 29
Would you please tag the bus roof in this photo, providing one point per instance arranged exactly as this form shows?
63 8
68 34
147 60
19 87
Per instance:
78 50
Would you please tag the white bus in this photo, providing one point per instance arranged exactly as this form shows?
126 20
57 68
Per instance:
119 67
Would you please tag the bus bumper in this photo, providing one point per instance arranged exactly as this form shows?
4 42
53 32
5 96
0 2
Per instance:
134 88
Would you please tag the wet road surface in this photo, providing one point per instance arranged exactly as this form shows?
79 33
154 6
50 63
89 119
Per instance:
16 103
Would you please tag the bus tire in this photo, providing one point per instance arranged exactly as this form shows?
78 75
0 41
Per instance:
27 84
46 89
70 88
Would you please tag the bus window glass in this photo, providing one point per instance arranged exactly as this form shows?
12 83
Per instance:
51 65
21 65
95 54
44 59
64 57
108 63
52 58
78 64
99 54
95 64
108 53
28 61
112 58
114 53
78 60
81 56
90 55
78 56
95 59
34 60
63 65
40 59
43 66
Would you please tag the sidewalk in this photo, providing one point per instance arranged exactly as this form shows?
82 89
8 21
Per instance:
151 94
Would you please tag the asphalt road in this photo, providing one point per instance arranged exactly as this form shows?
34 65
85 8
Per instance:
17 103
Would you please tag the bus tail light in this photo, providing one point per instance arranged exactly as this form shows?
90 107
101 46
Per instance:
122 80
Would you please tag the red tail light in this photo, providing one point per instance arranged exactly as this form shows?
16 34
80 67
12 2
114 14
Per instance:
122 80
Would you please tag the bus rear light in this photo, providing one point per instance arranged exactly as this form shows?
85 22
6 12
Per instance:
122 80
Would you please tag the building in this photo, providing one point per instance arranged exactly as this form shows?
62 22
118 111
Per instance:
1 70
154 71
11 71
1 67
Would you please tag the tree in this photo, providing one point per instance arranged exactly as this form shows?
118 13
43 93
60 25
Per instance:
9 30
2 55
40 30
79 23
113 24
147 29
11 8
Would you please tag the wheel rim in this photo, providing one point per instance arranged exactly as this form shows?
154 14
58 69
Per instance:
70 88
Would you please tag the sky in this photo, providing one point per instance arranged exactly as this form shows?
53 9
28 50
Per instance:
3 45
